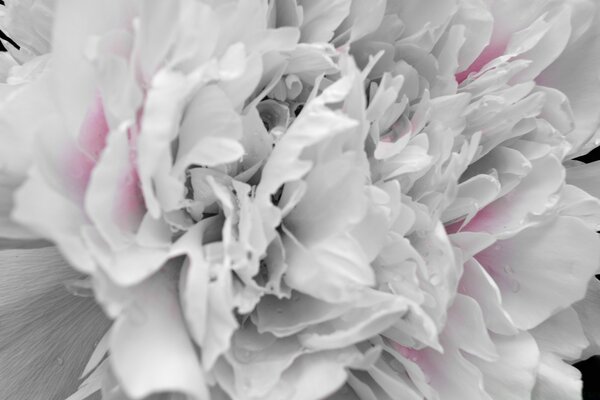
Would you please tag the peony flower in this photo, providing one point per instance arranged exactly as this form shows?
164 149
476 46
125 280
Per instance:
298 199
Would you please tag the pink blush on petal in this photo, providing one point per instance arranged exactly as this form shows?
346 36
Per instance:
419 357
94 130
407 352
489 53
130 206
495 261
91 141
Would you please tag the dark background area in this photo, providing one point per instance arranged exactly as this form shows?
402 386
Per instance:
590 369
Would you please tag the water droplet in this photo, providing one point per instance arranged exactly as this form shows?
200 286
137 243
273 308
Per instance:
243 355
60 361
79 287
508 269
435 279
515 286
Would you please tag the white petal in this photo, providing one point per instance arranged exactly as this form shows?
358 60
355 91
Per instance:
575 74
314 376
150 348
208 116
561 334
59 220
557 380
586 177
511 377
466 328
478 284
322 18
543 269
531 197
587 311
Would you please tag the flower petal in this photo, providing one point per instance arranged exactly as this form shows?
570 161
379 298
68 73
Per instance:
150 348
543 269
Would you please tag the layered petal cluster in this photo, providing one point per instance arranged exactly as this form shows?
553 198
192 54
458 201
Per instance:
299 199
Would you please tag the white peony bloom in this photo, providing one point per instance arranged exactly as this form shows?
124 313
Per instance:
298 199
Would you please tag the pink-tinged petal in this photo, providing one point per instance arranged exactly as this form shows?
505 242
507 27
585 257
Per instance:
513 375
94 129
113 198
81 159
150 348
557 380
478 284
533 196
561 334
41 353
543 269
489 53
473 194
